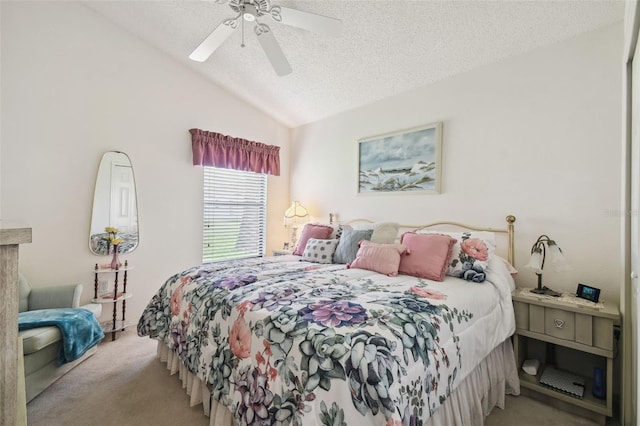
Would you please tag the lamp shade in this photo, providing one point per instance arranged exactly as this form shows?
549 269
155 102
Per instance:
535 262
538 254
296 210
558 260
291 216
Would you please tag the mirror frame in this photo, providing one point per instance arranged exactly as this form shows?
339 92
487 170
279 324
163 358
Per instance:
107 190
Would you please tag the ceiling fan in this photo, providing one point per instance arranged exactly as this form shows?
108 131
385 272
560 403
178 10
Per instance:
251 11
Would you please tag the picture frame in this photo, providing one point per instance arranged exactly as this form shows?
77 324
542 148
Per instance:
405 161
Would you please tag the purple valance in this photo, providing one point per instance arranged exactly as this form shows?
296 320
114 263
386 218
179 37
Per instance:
218 150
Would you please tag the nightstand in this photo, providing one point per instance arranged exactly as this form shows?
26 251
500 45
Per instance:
281 252
570 337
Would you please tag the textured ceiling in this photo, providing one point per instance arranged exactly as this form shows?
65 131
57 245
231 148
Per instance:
385 48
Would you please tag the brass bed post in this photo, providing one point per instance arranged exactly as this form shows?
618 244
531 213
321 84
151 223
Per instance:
510 251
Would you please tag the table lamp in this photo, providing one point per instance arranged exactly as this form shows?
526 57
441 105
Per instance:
538 256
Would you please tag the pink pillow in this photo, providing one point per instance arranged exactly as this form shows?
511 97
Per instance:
383 258
321 232
427 255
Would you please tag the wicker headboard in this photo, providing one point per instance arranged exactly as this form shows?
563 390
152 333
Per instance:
448 225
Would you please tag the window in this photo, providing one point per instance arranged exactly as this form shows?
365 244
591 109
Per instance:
235 213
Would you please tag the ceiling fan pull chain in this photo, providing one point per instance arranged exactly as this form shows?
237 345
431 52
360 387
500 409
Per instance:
242 44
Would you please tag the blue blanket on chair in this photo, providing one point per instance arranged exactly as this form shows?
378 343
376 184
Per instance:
79 327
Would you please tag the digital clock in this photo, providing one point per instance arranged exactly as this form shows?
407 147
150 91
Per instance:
588 293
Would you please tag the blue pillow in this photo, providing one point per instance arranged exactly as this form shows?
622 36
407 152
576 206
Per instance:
348 244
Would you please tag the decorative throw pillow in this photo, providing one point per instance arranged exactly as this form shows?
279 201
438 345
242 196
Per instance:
321 232
348 244
337 229
427 255
471 254
319 251
382 258
383 232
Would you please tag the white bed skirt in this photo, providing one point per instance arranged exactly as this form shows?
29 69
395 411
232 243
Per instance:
482 390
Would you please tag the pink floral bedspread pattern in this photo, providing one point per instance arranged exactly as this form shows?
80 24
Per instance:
291 343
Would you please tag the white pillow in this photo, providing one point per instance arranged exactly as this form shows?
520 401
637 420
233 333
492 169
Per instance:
319 251
383 232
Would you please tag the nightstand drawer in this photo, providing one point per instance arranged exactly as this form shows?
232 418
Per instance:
583 328
560 324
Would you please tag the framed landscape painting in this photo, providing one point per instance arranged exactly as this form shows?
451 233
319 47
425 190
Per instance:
404 161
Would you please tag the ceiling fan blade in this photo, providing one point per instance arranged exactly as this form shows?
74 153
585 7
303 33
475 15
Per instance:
213 41
272 49
310 21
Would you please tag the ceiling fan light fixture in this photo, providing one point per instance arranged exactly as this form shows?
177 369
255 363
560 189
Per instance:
249 12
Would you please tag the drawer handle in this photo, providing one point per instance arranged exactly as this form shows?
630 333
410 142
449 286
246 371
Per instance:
558 323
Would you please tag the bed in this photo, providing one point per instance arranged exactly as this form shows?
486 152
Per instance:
290 340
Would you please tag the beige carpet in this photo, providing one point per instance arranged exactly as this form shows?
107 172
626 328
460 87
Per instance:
123 384
126 384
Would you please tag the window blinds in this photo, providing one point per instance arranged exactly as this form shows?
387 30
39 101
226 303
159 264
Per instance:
235 211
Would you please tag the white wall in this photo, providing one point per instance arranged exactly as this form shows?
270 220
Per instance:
75 86
537 136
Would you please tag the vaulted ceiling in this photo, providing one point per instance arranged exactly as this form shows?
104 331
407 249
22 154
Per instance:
385 47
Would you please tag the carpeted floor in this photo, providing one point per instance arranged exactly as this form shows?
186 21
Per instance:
125 384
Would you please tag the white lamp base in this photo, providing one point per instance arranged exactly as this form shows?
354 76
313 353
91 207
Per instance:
294 236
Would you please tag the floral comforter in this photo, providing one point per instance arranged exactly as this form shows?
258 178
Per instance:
285 342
